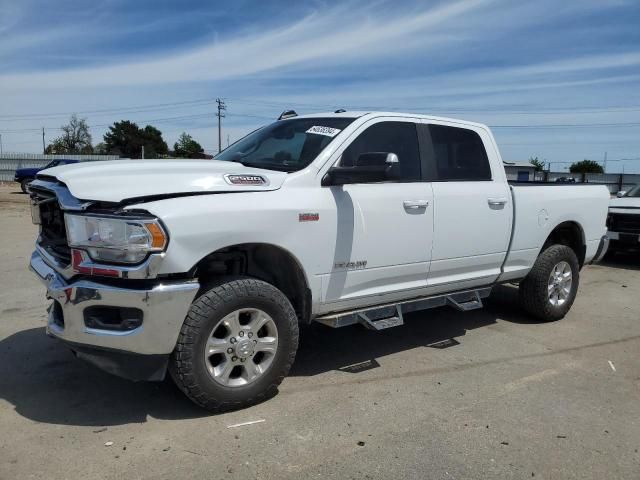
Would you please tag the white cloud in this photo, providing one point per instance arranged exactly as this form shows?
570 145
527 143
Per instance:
442 58
339 33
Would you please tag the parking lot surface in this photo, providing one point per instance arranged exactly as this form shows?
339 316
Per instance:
449 395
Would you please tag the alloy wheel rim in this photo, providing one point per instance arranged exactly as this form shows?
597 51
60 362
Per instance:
559 285
241 347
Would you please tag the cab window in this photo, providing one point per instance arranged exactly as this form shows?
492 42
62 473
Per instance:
459 154
400 138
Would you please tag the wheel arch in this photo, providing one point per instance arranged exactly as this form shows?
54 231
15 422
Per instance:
264 261
570 234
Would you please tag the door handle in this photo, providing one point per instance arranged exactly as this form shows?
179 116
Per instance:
494 202
415 204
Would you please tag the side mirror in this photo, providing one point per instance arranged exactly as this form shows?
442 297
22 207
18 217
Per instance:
372 159
621 193
370 167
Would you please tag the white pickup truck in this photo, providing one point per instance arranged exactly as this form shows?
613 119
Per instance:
623 221
208 269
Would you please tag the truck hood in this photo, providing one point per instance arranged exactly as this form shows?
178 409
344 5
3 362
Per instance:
119 180
625 205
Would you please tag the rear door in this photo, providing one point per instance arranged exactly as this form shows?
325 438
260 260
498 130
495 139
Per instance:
472 207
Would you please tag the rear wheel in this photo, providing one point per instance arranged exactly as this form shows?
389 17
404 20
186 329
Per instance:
237 344
548 291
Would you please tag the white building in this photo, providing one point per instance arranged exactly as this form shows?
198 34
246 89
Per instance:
520 171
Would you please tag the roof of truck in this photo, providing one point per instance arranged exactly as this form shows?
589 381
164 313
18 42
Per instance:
359 113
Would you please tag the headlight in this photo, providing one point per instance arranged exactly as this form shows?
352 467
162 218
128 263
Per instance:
110 239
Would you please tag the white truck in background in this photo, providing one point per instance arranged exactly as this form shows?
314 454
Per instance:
208 268
623 222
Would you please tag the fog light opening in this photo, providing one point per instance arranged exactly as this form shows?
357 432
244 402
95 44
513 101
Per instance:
113 318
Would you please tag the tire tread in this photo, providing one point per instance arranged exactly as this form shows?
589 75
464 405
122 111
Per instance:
209 302
533 289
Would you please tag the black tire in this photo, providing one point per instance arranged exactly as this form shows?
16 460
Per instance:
24 183
187 365
534 289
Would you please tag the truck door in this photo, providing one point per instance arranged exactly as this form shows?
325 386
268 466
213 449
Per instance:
383 230
472 208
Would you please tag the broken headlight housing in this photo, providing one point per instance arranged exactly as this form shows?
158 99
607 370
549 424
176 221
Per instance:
115 239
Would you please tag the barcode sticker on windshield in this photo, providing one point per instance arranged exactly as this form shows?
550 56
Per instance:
328 131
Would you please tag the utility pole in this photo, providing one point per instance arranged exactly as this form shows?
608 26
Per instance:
142 152
227 140
221 108
605 163
0 144
44 149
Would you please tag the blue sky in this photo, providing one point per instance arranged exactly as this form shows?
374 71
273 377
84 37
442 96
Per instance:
557 79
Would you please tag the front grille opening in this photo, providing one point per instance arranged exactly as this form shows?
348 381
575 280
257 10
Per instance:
56 315
625 223
121 319
53 234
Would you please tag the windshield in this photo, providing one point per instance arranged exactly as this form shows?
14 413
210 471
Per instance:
634 192
286 145
52 164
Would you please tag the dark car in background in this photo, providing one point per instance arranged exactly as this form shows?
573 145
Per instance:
24 176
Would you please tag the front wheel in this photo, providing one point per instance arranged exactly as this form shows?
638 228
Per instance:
24 184
236 345
550 288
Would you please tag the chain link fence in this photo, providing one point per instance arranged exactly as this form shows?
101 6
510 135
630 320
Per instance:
615 182
10 162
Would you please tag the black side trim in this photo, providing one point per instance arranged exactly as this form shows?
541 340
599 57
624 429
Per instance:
427 155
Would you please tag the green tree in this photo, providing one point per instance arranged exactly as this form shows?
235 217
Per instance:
56 147
586 166
536 162
187 147
100 149
154 143
126 139
75 138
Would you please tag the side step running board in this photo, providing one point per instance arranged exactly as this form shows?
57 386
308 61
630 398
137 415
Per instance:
391 314
381 318
465 305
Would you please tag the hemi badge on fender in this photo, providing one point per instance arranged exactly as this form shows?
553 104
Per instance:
245 179
308 217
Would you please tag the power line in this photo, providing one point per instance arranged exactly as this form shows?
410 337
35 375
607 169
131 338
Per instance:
205 115
570 125
280 104
133 109
502 109
150 120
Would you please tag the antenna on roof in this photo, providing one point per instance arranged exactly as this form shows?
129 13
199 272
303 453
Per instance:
287 114
340 110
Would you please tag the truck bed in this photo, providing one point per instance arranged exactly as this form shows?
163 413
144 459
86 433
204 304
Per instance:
537 211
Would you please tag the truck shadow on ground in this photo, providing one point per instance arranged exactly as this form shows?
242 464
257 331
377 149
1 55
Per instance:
622 260
45 383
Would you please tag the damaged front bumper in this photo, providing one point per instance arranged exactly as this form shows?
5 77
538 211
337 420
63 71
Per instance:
126 328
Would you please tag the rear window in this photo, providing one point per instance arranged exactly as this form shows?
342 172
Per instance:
459 154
